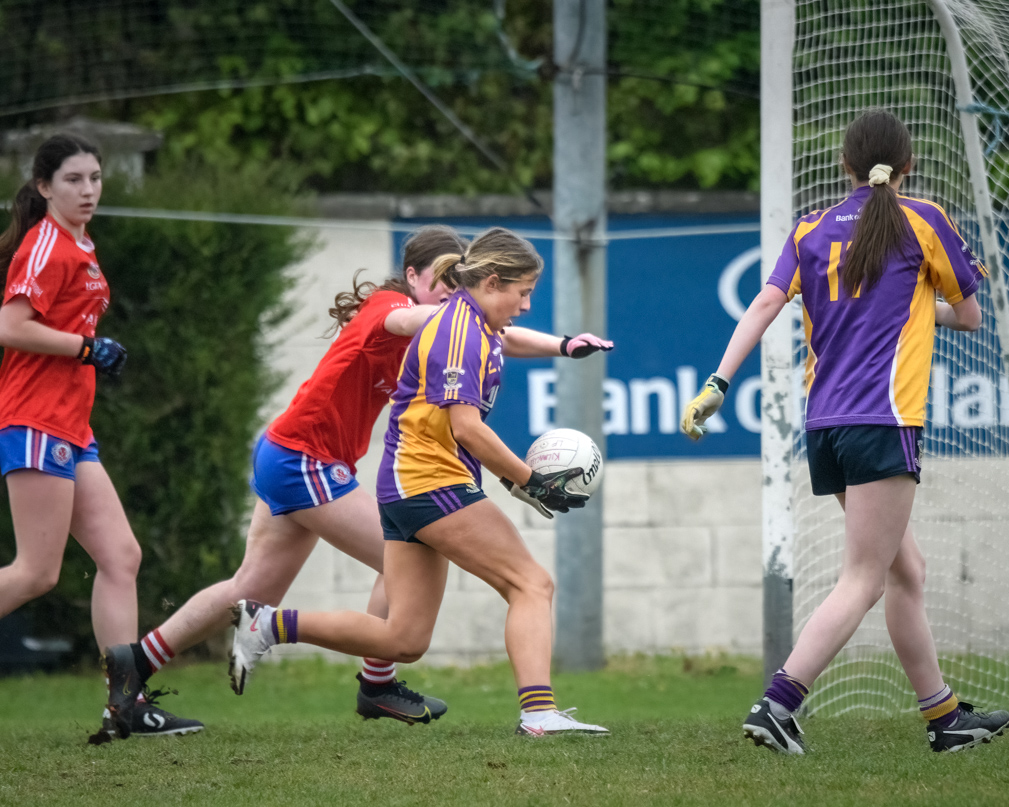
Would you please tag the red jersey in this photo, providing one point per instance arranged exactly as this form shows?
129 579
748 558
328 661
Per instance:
333 413
61 279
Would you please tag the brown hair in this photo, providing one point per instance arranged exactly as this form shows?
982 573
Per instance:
495 252
30 206
875 137
419 251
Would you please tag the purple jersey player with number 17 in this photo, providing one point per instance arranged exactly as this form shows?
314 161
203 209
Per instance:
869 270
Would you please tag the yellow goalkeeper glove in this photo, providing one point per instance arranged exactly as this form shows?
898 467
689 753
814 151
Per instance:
703 406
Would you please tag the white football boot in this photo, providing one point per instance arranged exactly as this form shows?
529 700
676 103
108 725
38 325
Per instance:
253 638
553 721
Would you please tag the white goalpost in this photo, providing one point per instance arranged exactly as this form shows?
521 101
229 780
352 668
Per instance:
942 67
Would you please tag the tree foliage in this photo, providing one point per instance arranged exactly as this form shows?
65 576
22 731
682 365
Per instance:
682 90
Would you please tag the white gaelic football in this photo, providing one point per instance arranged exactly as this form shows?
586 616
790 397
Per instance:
560 449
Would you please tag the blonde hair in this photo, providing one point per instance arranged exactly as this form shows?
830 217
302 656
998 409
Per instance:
496 252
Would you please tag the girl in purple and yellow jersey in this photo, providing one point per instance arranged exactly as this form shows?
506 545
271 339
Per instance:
868 270
432 507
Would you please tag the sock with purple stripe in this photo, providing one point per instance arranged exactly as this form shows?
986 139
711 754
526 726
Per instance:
942 707
285 626
786 693
536 699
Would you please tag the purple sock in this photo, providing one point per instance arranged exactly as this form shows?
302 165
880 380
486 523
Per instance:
285 626
788 691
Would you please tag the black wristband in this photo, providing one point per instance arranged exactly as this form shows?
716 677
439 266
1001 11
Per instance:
87 348
718 381
564 347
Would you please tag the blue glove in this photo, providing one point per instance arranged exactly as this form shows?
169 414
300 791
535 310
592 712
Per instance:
106 355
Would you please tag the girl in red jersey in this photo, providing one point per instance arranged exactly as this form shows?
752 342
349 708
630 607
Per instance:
54 297
303 475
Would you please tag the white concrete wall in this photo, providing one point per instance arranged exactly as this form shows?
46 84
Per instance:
682 539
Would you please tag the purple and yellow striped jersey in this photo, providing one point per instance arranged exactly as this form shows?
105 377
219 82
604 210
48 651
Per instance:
870 355
454 359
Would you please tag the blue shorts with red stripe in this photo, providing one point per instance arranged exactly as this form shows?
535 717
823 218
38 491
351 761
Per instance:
24 447
403 519
290 480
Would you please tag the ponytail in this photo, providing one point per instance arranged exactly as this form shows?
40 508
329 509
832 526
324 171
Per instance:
348 303
881 229
877 146
29 209
422 246
445 269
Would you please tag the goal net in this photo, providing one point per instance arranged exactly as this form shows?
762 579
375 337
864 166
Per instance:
849 56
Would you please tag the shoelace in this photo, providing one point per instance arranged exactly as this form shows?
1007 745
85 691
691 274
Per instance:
151 696
407 694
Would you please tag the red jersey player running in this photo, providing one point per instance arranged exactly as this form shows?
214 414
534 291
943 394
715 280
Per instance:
303 475
54 297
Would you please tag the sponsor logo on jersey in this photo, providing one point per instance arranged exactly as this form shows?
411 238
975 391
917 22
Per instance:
94 271
94 285
340 473
61 453
452 377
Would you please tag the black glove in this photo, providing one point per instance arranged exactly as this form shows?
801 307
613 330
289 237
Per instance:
546 492
106 355
585 344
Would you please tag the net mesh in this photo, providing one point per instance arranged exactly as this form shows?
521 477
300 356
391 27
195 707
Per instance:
850 56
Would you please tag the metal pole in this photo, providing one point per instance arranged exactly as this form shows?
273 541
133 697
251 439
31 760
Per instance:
777 27
579 306
978 173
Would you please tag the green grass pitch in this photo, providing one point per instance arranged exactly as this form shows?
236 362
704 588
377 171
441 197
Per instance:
293 739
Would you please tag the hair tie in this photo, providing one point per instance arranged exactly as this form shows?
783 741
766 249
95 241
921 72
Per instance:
880 175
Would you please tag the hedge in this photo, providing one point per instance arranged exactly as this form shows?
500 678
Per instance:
190 301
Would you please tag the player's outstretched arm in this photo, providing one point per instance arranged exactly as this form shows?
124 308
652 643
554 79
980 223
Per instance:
761 313
525 343
407 321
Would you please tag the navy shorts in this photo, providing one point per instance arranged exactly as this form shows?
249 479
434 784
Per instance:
290 480
25 447
854 455
402 519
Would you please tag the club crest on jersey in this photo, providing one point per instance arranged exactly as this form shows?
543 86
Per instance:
452 378
340 473
61 453
94 271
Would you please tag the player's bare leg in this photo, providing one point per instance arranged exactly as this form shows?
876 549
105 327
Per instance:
481 540
906 621
41 509
416 576
100 526
875 520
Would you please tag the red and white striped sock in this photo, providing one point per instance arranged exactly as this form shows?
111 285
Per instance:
157 650
378 671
